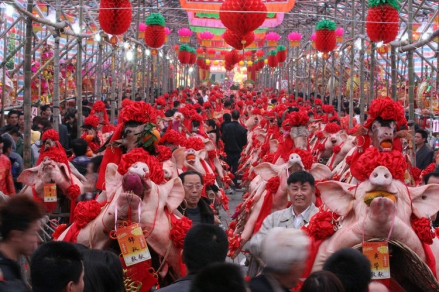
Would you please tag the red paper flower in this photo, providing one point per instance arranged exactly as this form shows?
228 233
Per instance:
194 143
180 227
387 109
336 149
99 106
422 228
328 108
372 157
320 135
299 118
85 212
332 128
306 157
172 137
273 184
50 134
209 179
73 191
140 155
164 153
92 120
268 158
138 111
416 174
321 224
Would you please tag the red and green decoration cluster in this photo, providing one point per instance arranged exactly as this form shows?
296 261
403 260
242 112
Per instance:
241 23
155 31
187 54
272 59
115 16
325 36
382 21
281 54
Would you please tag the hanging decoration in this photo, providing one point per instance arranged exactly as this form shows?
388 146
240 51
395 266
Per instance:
206 38
142 28
260 54
200 52
155 30
167 33
241 63
339 34
176 49
325 35
248 55
238 41
115 16
272 38
185 34
281 54
272 59
193 56
200 62
382 21
232 57
211 53
184 54
234 15
294 39
384 49
313 40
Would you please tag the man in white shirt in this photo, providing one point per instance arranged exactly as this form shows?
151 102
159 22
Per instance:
205 96
301 188
357 114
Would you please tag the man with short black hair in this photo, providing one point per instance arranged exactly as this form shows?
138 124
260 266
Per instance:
20 224
204 244
234 136
57 267
301 190
351 267
424 155
80 161
12 121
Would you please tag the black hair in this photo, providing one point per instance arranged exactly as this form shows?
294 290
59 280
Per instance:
102 272
227 103
79 147
235 114
204 244
273 101
198 110
169 113
45 123
44 107
96 161
302 177
300 94
12 112
69 115
219 277
357 110
14 131
322 281
351 267
431 174
18 213
310 114
6 145
1 139
176 103
423 133
54 265
227 117
189 172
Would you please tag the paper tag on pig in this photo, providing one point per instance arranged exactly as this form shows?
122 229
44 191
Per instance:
132 244
50 193
378 255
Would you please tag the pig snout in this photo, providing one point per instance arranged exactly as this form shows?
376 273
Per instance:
381 177
382 210
132 183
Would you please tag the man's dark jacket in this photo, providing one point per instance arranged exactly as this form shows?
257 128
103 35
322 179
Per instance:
234 137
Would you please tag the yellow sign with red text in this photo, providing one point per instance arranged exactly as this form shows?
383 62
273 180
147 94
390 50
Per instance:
132 244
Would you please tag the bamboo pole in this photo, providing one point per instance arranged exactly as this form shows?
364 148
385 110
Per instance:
55 98
113 84
5 51
79 73
363 98
27 86
372 73
351 94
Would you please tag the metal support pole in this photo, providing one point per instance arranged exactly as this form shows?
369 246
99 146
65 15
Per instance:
27 86
5 51
99 72
363 98
372 73
79 73
55 99
393 66
351 95
113 85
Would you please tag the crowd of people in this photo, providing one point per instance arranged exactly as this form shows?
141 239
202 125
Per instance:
279 248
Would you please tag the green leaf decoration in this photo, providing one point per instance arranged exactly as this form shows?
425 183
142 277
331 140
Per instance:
280 48
184 47
272 52
326 24
155 19
377 3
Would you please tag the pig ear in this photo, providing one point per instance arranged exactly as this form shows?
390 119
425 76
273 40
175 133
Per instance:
425 200
29 176
273 145
343 135
209 145
202 154
65 171
178 157
76 173
337 196
267 170
320 171
111 179
261 138
174 189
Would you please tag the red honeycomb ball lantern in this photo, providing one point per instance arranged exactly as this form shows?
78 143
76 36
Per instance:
272 59
237 41
382 23
155 35
115 16
232 57
325 39
241 22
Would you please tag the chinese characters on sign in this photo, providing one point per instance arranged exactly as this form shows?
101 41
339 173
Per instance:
132 244
378 255
50 193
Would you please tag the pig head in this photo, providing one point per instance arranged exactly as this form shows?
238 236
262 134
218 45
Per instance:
192 160
331 141
346 146
146 203
379 207
129 137
299 136
50 171
382 133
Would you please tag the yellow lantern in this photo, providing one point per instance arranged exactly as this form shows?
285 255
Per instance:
249 63
207 62
215 62
266 61
241 63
